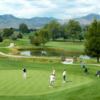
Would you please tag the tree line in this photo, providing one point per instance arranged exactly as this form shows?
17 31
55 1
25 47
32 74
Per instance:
70 30
9 32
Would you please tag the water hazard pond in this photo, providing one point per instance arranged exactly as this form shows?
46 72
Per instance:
50 53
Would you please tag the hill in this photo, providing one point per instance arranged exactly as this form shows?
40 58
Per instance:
85 20
12 21
36 22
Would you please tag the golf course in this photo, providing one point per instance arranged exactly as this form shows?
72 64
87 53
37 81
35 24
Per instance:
36 84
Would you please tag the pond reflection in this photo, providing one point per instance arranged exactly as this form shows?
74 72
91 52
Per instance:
51 53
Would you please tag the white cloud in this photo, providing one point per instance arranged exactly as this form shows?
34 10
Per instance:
62 9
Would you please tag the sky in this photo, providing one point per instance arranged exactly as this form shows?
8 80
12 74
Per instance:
60 9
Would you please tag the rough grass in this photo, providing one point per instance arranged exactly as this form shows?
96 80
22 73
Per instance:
34 60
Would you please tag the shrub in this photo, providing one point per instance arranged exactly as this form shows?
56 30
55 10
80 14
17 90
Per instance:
29 36
36 41
7 32
74 59
31 39
14 37
20 35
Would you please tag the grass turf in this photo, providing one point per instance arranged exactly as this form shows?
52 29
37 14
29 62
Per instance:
14 87
36 85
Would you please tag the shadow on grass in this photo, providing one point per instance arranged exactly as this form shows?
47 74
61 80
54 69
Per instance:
28 77
56 86
68 81
58 79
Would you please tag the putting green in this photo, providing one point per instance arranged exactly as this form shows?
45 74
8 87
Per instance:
37 82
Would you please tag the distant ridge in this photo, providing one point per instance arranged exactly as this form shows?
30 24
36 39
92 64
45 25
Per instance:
12 21
85 20
88 19
9 20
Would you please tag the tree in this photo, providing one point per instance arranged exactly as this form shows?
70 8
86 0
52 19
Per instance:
45 26
73 28
40 37
20 35
44 36
54 28
92 44
36 41
31 39
80 37
23 28
87 27
1 37
14 37
62 31
36 34
7 32
11 28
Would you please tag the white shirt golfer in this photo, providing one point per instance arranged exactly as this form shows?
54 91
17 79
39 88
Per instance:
64 73
52 78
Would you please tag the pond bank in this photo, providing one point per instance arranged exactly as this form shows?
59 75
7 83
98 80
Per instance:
51 49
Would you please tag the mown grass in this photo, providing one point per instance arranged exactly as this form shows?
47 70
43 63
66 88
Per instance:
72 47
11 71
3 44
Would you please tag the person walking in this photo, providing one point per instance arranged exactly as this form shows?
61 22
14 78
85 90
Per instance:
53 71
24 73
82 64
52 77
64 75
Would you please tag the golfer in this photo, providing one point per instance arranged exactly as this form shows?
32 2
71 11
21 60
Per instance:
82 64
52 77
24 73
64 75
53 71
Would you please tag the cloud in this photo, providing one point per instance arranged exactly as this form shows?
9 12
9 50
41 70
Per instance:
61 9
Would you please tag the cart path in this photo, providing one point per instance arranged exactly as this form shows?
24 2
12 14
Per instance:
11 45
68 61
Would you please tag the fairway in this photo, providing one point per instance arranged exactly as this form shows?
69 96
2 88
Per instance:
37 82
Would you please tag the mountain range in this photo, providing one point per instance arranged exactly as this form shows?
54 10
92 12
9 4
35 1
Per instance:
9 20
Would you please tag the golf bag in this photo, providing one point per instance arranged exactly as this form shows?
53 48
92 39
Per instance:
86 70
98 72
